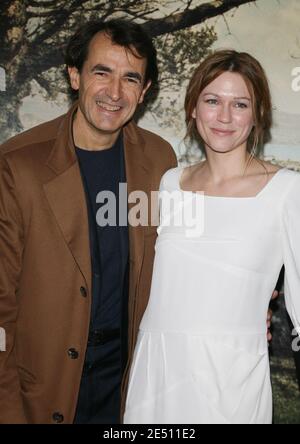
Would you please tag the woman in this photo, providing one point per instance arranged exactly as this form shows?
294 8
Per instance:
202 354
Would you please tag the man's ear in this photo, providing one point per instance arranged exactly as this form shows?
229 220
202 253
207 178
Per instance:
145 89
74 77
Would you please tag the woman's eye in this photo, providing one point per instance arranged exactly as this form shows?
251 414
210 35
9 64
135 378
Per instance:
241 105
211 101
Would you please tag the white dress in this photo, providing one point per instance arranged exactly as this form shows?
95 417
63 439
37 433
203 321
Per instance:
202 352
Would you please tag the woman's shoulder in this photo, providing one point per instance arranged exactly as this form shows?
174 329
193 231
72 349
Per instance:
270 168
287 183
286 175
170 180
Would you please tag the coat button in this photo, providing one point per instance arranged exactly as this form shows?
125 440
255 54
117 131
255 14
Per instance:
73 353
58 417
83 292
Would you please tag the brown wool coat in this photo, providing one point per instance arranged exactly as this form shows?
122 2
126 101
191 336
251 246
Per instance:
45 265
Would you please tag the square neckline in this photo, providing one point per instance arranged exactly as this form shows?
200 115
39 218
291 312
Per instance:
259 194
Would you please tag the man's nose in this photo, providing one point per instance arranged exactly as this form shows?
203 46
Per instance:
114 89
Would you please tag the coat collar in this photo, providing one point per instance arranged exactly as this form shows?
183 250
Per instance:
66 195
63 154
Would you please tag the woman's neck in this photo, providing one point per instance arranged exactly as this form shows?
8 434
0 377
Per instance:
222 166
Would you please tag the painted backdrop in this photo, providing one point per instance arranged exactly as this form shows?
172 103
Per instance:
33 88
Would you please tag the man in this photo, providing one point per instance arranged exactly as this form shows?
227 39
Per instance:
63 278
73 291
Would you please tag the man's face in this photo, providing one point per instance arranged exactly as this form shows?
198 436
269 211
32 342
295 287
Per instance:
111 85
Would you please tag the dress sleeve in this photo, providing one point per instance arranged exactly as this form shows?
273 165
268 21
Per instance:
291 251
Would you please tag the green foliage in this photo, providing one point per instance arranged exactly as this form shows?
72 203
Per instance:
286 394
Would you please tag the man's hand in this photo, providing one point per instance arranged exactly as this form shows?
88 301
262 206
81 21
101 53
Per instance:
270 314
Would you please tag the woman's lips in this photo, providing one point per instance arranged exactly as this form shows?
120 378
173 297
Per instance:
220 132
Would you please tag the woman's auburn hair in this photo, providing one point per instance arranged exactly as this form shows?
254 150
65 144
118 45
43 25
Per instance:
256 80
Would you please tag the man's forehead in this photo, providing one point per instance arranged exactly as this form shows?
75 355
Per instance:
102 46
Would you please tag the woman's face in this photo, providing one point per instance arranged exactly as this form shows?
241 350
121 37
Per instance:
223 113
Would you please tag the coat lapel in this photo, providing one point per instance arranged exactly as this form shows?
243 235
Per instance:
138 167
66 197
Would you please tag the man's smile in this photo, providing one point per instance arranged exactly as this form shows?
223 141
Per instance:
108 107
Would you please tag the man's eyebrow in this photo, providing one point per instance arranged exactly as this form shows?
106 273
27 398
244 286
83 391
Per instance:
134 75
131 74
100 67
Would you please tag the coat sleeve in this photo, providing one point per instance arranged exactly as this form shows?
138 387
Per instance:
11 249
291 251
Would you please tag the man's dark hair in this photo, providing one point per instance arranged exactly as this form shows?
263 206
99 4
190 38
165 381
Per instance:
121 32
